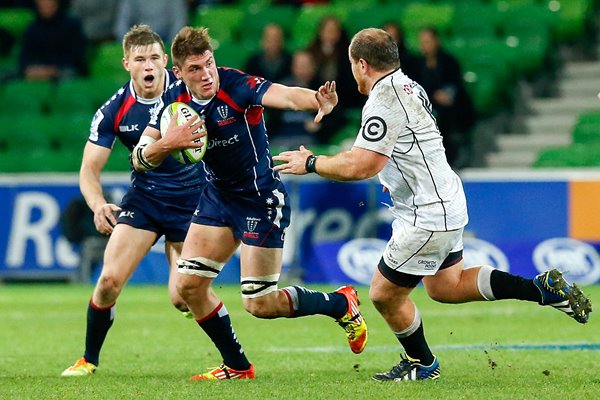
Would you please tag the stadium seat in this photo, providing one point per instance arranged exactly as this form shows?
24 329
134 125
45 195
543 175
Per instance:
26 97
223 21
587 129
575 156
233 55
572 17
307 22
75 96
417 16
361 17
107 62
16 20
256 18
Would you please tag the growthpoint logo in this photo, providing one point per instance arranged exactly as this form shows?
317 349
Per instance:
479 252
578 261
358 258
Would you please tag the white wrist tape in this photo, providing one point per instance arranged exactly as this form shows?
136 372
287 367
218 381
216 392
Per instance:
139 153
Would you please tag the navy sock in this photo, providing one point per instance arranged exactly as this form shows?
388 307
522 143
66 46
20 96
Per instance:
508 286
217 326
99 321
416 346
304 302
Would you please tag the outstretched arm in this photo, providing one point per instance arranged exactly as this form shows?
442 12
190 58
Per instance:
296 98
353 165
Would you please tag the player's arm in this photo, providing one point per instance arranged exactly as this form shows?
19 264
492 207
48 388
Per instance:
152 149
297 98
353 165
93 161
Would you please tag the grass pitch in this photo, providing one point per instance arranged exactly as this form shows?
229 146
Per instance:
499 350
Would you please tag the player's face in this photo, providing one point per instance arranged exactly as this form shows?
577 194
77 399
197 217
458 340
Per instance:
146 65
199 72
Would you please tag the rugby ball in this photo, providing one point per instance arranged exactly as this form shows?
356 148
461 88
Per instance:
184 113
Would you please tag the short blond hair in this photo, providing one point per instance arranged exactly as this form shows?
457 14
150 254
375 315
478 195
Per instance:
190 41
140 35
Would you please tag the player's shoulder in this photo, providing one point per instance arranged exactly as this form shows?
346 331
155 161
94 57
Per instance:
176 91
114 102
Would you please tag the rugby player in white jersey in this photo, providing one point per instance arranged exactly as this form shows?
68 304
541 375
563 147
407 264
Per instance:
399 141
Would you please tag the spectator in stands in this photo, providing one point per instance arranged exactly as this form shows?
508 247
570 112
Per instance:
409 62
298 127
272 61
440 75
97 18
53 45
164 17
330 51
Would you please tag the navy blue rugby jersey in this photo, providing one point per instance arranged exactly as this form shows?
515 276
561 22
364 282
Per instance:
125 116
237 157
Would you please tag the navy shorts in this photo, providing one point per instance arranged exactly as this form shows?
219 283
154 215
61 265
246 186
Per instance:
169 216
257 220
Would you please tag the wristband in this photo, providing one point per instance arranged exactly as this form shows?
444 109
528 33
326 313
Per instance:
310 165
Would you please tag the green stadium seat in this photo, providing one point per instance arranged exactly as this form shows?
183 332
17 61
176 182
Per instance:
577 155
587 129
16 20
417 16
107 62
233 55
374 16
223 21
256 18
26 97
74 96
307 22
572 17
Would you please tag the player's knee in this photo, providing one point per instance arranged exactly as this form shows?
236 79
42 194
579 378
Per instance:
260 295
380 299
108 287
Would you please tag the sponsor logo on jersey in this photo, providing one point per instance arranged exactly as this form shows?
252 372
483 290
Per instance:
222 142
358 258
129 128
579 261
479 252
374 129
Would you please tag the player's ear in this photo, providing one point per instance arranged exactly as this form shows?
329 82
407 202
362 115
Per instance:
125 63
176 71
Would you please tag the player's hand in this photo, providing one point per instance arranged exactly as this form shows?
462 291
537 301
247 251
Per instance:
104 218
185 136
327 98
293 162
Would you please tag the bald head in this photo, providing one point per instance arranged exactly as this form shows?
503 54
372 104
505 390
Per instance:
376 47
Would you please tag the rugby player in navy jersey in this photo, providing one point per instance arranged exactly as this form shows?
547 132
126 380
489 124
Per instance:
244 202
159 202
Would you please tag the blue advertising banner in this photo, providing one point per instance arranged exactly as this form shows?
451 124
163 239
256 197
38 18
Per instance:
339 230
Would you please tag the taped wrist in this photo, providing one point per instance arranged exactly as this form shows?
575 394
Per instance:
139 153
310 165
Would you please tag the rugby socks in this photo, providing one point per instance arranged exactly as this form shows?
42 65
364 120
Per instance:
217 326
413 340
494 284
305 302
99 321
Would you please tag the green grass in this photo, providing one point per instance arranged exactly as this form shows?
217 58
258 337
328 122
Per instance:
152 349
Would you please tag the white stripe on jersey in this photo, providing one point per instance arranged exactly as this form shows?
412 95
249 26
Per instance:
397 122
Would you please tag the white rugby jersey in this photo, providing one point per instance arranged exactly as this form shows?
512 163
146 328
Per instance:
397 122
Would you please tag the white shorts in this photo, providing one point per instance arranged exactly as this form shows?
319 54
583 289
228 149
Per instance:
416 251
